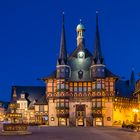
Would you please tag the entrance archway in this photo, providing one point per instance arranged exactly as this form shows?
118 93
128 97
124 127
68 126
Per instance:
135 118
80 114
62 121
80 122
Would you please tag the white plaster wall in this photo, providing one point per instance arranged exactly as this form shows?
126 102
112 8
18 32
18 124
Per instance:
108 113
52 112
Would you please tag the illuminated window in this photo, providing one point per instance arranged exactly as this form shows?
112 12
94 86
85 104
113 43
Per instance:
89 84
111 83
62 104
36 107
111 88
85 89
67 86
103 85
58 86
75 89
98 121
41 108
99 104
62 86
89 88
85 84
94 104
71 84
80 84
57 104
98 85
71 88
80 89
93 86
75 84
67 104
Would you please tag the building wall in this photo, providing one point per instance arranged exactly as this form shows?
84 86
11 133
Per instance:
126 115
53 120
108 113
2 114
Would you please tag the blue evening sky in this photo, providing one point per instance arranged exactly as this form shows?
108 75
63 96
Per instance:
30 36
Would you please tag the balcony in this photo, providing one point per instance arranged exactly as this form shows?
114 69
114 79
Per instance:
62 90
97 112
95 115
62 107
63 115
98 89
97 108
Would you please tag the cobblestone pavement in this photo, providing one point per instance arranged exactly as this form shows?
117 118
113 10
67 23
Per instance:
76 133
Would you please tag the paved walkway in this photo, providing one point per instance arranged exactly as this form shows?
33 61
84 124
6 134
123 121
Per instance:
76 133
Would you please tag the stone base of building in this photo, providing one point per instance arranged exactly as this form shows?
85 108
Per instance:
7 133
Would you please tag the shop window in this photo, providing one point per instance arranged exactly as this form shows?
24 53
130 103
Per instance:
98 121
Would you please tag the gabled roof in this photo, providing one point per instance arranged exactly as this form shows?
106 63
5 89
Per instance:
108 73
52 75
75 52
42 101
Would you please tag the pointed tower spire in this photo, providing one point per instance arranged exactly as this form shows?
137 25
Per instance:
97 65
97 55
132 79
63 51
14 94
62 66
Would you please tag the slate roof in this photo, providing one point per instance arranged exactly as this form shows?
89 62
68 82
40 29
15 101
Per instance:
97 55
52 75
32 93
123 88
62 60
4 104
74 53
42 100
108 73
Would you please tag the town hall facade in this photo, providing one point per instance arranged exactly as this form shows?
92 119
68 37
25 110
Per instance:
82 91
